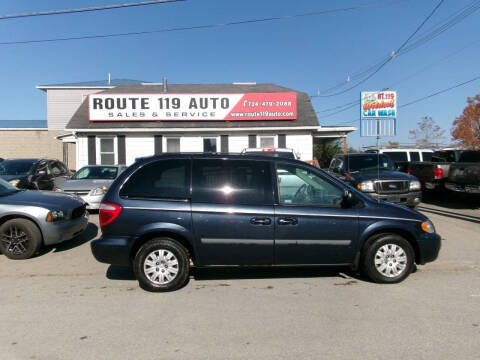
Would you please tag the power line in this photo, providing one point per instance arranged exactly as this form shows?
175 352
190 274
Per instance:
446 24
426 67
208 26
86 9
424 97
450 21
440 92
390 58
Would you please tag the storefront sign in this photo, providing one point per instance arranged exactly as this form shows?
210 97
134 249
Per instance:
196 107
378 104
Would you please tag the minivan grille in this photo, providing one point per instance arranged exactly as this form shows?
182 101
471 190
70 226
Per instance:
79 211
391 186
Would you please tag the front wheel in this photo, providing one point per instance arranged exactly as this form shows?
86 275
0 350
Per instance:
161 264
388 259
20 239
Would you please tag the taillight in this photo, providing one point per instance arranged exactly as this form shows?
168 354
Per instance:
438 173
409 170
108 213
268 149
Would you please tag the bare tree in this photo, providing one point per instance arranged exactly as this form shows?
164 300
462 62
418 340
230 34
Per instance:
428 134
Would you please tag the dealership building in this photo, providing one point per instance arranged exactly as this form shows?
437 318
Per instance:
115 122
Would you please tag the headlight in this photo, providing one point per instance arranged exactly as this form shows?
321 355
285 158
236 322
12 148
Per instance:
415 185
14 182
98 191
55 215
366 186
428 227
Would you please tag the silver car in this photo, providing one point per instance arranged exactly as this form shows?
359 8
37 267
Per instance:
30 219
91 183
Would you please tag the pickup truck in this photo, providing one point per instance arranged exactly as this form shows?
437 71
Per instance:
464 176
432 174
376 175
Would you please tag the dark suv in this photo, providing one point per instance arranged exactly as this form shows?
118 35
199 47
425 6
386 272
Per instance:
168 211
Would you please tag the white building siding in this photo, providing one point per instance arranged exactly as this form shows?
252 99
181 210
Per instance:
302 144
237 143
190 144
82 152
63 103
138 146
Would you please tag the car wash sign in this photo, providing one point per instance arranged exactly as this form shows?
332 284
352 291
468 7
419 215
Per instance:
192 107
378 104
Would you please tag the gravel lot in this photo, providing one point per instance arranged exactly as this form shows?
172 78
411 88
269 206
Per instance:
65 305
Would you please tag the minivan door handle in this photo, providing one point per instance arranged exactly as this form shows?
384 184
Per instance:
287 221
260 221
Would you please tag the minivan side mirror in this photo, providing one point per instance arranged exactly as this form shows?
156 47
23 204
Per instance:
348 199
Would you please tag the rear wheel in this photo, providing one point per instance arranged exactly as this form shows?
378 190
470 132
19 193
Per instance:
161 264
20 239
388 258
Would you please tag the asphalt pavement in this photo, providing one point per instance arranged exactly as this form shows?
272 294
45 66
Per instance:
65 305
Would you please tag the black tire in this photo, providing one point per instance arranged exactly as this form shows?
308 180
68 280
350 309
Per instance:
388 242
26 241
168 246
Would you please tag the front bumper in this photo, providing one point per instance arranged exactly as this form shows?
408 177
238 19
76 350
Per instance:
469 189
409 199
57 232
429 246
93 202
110 250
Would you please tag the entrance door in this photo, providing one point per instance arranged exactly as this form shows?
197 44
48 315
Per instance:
232 212
311 226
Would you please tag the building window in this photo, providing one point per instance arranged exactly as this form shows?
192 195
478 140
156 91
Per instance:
173 145
267 141
107 151
209 145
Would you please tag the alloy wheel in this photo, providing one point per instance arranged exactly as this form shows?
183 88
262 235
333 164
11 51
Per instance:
15 240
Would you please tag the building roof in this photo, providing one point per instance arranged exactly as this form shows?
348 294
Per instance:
305 114
23 124
96 83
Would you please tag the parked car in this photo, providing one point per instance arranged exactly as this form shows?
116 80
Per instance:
376 175
402 157
91 183
273 152
34 174
464 175
240 210
30 219
432 174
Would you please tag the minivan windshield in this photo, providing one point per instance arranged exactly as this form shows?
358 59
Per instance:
369 162
6 188
16 167
96 172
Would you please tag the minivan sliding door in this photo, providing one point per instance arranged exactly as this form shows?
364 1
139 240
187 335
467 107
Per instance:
232 212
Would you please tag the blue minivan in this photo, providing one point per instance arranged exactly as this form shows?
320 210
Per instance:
167 212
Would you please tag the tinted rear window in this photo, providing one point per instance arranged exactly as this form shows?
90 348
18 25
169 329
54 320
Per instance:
443 156
414 156
233 182
470 156
427 156
164 179
397 155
